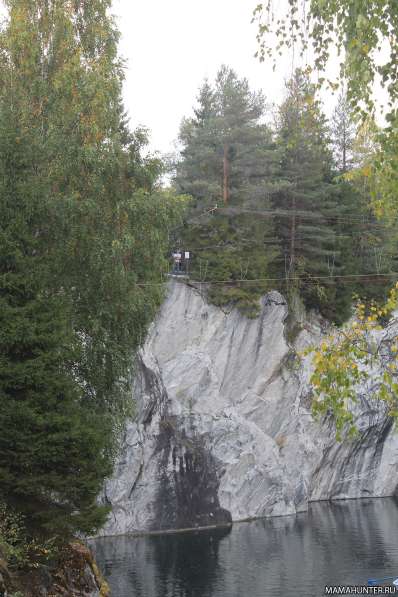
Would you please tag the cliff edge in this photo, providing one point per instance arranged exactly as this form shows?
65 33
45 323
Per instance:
224 429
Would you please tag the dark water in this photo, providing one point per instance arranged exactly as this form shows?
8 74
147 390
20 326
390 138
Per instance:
341 543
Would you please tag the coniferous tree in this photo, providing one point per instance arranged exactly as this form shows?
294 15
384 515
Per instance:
374 239
284 209
343 131
322 234
308 200
198 173
242 137
226 147
228 159
82 226
53 443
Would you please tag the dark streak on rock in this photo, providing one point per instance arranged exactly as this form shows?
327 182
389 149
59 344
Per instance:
351 463
138 477
187 491
157 392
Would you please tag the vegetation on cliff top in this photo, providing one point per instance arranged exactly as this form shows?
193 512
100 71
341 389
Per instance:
292 212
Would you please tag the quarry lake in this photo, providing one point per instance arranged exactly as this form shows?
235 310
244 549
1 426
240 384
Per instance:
344 542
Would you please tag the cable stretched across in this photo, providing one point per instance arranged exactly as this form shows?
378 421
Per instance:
348 277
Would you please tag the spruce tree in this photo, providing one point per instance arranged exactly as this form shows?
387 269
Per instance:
53 443
84 229
326 227
308 201
374 244
198 173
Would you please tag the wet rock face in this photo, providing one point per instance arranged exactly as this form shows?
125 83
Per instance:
187 492
224 428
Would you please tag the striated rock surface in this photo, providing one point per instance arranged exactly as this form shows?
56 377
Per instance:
224 429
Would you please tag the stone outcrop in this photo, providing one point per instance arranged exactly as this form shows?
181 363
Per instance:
76 575
224 429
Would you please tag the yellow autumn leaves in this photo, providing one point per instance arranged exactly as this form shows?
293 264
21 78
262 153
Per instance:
351 355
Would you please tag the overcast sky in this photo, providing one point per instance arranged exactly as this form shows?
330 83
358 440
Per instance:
171 46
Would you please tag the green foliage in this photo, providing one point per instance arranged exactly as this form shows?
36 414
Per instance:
343 132
365 35
357 29
374 242
307 198
351 356
291 220
12 537
227 125
83 232
228 156
18 550
319 228
227 250
385 171
53 446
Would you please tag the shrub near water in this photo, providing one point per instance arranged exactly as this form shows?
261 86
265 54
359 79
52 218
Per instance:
17 550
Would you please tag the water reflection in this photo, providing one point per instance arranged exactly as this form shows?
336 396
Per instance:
345 542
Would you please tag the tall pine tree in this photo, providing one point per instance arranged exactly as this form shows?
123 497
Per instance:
343 131
228 159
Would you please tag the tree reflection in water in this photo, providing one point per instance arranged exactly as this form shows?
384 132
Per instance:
343 542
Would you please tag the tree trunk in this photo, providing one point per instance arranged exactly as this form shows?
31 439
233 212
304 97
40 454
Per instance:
292 239
226 174
344 150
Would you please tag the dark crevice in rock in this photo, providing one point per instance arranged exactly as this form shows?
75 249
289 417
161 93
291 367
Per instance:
154 388
138 477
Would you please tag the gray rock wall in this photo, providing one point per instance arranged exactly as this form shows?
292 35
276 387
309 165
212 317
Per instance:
224 429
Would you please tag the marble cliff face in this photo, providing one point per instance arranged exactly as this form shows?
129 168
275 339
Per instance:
224 428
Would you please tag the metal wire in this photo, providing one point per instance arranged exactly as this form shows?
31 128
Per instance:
365 277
